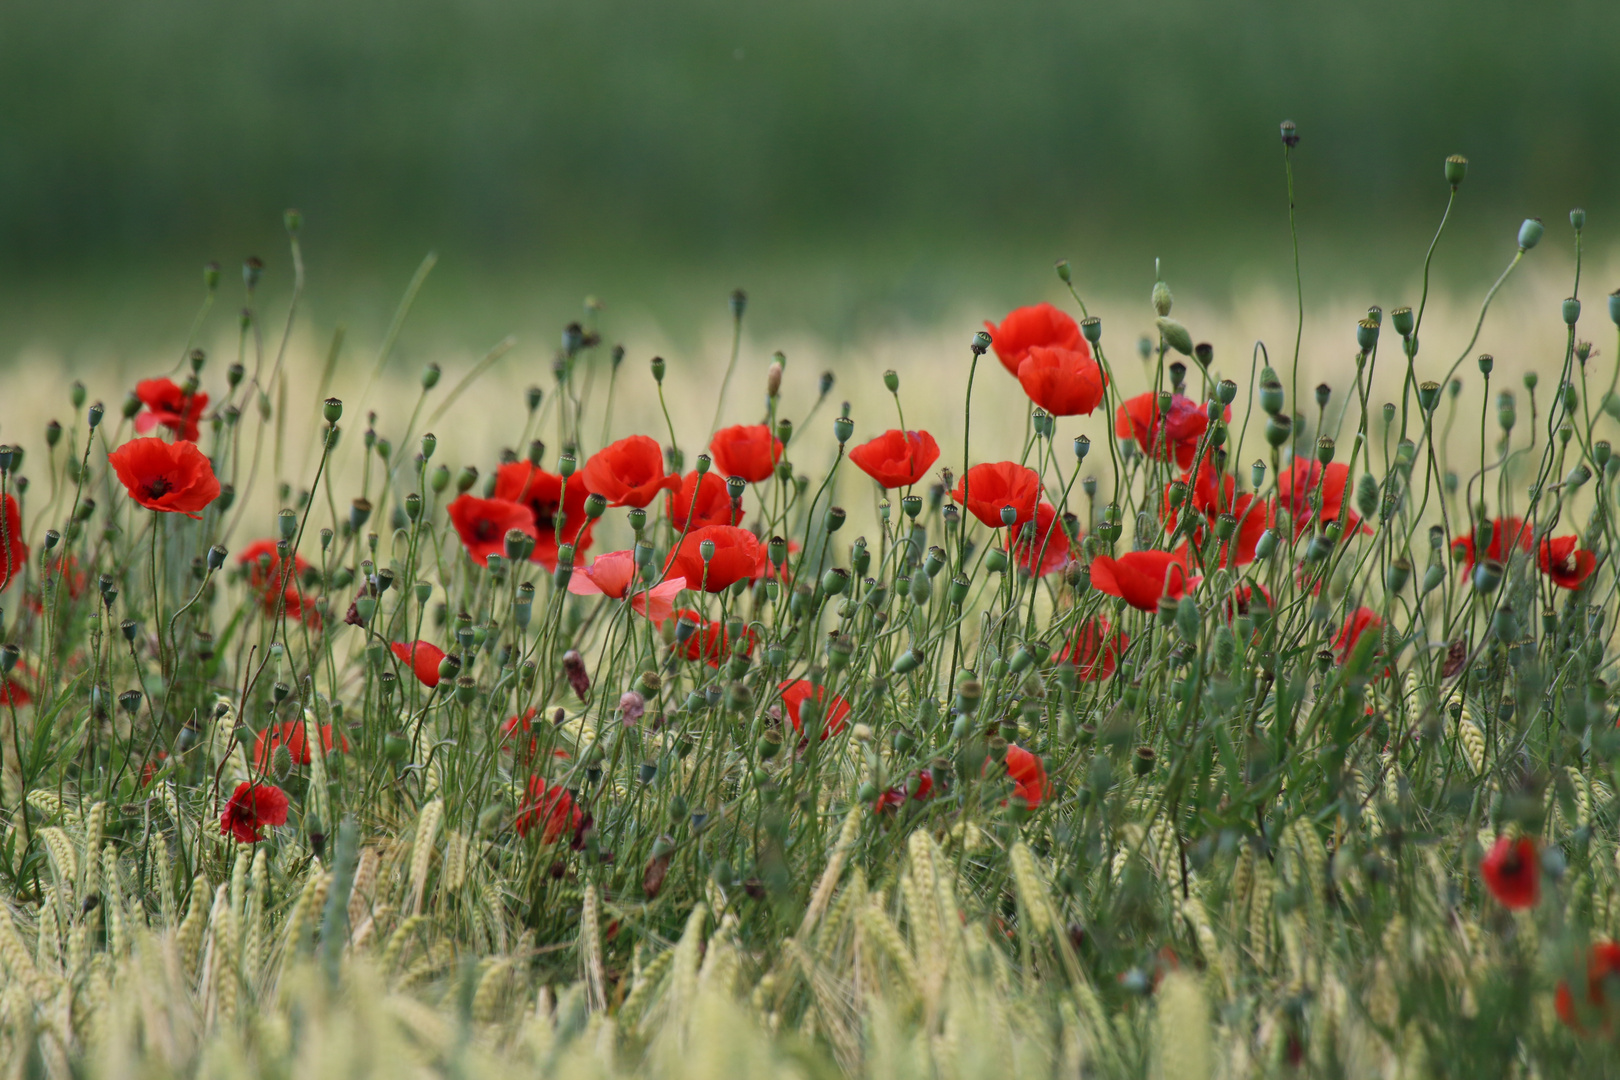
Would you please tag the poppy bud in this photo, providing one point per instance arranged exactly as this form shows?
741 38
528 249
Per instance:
1290 134
981 344
466 478
1429 395
1271 392
995 560
835 581
359 513
1162 300
1397 575
364 608
1601 451
1456 169
1402 319
1062 266
1188 618
959 590
1091 327
1204 353
1265 545
95 414
843 428
1577 476
1324 449
1487 575
835 519
1175 335
1530 233
1225 526
1278 429
1577 219
1614 307
132 405
1571 311
773 379
1042 422
891 381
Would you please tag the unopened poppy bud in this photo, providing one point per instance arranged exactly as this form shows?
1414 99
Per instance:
1162 300
1395 578
1530 233
1188 618
1278 429
440 479
1577 476
773 378
430 376
1204 353
287 524
1265 545
1429 395
1175 335
835 519
891 381
385 449
1062 267
995 560
981 344
466 478
252 270
1271 392
364 608
843 428
227 497
9 655
1290 134
1487 575
132 405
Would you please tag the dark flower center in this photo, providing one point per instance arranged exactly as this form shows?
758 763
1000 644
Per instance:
159 488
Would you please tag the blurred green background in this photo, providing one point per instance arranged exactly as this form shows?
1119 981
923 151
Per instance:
853 162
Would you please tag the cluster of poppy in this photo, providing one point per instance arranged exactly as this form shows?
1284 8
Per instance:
1021 766
279 586
1559 557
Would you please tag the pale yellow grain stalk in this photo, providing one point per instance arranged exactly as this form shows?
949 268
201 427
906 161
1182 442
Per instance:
646 987
834 870
427 831
18 964
397 942
456 847
885 938
48 943
189 938
1471 741
64 865
320 796
1031 889
219 990
299 916
590 950
1215 960
253 913
1181 1042
112 902
1261 915
163 871
239 876
90 850
491 986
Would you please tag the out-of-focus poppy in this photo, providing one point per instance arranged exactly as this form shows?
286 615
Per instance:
1028 327
706 500
988 488
18 687
1050 544
1140 578
1564 565
1094 649
896 458
1512 872
736 551
797 692
551 808
251 809
13 552
896 796
1506 534
483 524
1171 435
168 405
174 478
1303 481
262 560
1602 966
422 658
613 574
546 495
1063 381
293 736
710 642
750 451
629 472
1027 772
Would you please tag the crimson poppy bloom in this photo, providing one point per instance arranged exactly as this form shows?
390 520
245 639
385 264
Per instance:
1026 328
1140 578
629 472
1303 481
896 458
175 478
1064 382
1207 497
253 807
1050 543
795 692
1254 516
422 658
614 574
545 494
262 560
515 724
897 795
709 642
153 766
168 405
1172 436
986 489
702 501
293 604
1560 561
1358 622
736 551
1506 534
15 688
750 451
483 524
293 736
1246 598
1094 649
1027 772
552 809
1512 871
1602 963
13 552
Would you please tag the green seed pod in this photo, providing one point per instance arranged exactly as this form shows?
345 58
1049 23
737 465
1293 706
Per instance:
1091 327
1396 577
1175 335
1279 429
1456 169
908 661
835 581
1271 392
1530 233
1162 300
1266 545
920 589
959 590
1487 575
1401 318
843 428
1429 395
1571 311
1188 619
995 560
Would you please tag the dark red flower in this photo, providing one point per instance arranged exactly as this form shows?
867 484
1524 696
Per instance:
709 642
251 809
262 559
1303 481
1512 871
795 692
483 524
1063 381
1358 622
896 458
290 734
153 766
1027 772
986 489
1206 498
422 658
706 499
736 552
17 688
897 795
13 552
750 451
629 472
550 807
1171 437
1506 534
170 406
545 494
1140 577
1050 543
292 603
175 478
1253 516
1094 649
1028 327
1560 561
1602 966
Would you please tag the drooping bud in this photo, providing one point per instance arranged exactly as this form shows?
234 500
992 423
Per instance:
1175 335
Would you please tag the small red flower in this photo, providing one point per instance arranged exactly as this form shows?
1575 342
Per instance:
262 560
710 642
1064 382
174 478
897 795
1602 965
1094 649
1140 577
795 692
1506 534
614 574
1563 564
1171 436
736 552
545 494
483 524
1512 871
1050 543
422 658
1028 327
707 501
169 405
15 689
295 605
551 808
290 734
750 451
13 552
986 489
629 472
896 458
1303 481
1359 622
1027 772
253 807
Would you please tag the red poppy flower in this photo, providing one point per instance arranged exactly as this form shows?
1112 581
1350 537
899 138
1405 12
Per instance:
1094 649
15 688
629 472
1506 534
1050 543
614 574
1567 567
251 809
262 560
1299 485
1027 772
483 524
1028 327
986 489
710 642
150 770
1140 577
1064 382
291 735
1206 498
750 451
795 692
545 495
1512 871
293 604
515 724
1172 437
175 478
1254 516
551 808
422 658
706 499
1246 598
170 406
896 458
736 551
13 552
1357 623
1602 964
897 795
